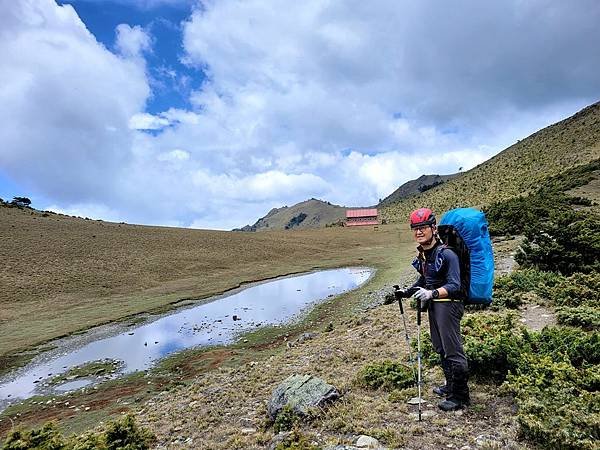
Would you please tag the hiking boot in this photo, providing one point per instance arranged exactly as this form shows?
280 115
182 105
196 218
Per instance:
452 405
444 390
441 391
458 392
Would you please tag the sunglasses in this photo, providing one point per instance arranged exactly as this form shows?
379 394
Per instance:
421 229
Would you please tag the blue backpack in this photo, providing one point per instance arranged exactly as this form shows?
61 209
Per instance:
465 230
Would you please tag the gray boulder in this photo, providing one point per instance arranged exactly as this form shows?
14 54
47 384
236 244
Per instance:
301 392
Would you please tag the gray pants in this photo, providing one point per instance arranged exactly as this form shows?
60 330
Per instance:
444 326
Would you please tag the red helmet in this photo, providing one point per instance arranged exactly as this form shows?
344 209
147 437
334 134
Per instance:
422 216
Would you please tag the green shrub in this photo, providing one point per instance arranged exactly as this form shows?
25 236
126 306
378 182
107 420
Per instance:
121 434
387 375
46 438
296 441
527 280
285 420
557 408
579 346
579 289
492 344
524 214
585 317
511 291
566 243
428 354
124 434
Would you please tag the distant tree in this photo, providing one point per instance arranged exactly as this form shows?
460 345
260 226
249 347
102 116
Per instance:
20 201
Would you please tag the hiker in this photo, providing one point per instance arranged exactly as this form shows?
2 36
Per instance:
439 290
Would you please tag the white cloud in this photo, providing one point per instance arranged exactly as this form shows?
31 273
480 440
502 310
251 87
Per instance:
65 102
145 121
132 41
91 211
342 100
174 156
260 186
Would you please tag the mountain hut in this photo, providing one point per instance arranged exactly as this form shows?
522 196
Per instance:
357 217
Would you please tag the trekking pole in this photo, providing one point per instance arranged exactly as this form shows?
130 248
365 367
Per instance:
397 294
419 353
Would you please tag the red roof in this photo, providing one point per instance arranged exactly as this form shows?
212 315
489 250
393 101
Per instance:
361 212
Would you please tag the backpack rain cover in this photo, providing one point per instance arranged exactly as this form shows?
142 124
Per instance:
472 227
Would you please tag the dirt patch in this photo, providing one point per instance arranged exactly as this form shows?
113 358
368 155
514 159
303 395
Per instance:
505 249
536 317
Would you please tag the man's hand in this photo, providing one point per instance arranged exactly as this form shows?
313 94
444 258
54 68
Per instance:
400 293
424 294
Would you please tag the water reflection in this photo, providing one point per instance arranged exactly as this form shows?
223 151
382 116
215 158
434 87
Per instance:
218 322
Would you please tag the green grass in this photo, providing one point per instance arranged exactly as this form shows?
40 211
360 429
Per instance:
89 369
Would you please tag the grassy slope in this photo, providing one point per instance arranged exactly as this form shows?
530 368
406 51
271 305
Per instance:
517 169
61 274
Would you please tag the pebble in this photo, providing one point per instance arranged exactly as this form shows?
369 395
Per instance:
364 441
487 441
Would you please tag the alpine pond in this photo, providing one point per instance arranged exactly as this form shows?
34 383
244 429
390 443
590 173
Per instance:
217 322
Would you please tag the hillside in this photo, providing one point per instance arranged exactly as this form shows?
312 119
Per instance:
311 213
517 169
415 187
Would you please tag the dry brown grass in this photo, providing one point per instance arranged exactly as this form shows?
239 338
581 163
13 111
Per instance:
61 274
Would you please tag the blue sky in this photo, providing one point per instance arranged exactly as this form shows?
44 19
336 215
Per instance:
207 114
163 21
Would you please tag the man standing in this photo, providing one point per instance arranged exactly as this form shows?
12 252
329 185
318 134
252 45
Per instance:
440 292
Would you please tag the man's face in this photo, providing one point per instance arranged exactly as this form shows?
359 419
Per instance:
423 234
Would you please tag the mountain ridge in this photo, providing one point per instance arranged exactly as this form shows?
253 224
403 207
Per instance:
515 170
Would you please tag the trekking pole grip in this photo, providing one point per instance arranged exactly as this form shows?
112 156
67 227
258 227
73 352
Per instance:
418 311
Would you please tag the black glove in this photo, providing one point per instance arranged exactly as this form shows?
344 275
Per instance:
400 293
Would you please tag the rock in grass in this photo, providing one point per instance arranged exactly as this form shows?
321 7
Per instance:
300 393
367 442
